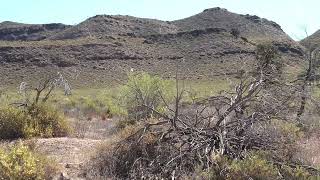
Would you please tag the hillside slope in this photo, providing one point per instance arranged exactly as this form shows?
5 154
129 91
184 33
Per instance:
102 49
106 25
253 27
312 41
11 31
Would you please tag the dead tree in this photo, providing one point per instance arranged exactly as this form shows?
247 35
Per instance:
43 89
311 56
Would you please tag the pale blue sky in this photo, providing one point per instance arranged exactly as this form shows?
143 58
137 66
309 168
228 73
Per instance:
293 15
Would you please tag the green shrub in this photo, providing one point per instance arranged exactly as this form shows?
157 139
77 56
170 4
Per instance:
34 121
289 130
13 123
144 90
46 122
295 173
254 167
20 163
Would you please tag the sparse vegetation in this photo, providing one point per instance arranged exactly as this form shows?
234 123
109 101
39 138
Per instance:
214 96
185 138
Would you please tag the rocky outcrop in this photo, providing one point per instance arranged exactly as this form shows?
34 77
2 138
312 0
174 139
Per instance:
10 31
106 25
251 27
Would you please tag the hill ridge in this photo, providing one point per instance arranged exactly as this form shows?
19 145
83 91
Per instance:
102 25
104 47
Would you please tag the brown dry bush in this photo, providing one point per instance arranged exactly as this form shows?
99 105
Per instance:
231 125
120 159
144 153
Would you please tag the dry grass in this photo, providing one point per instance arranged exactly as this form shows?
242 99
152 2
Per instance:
309 151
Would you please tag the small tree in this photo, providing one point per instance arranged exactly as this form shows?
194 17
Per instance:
309 77
143 91
269 63
43 89
35 119
235 33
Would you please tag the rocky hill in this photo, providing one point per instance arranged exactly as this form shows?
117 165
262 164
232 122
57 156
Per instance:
312 41
101 50
250 26
106 25
11 31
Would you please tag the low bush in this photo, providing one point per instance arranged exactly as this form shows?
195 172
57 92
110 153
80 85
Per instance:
127 158
33 121
13 123
46 122
142 91
114 160
296 173
20 163
254 166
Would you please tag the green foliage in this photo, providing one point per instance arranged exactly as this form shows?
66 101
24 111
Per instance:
288 130
269 62
20 163
295 173
100 102
253 167
144 90
266 53
35 121
12 123
46 122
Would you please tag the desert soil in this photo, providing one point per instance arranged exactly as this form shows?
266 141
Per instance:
72 153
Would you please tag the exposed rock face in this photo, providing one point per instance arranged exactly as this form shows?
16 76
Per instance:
287 48
10 31
103 48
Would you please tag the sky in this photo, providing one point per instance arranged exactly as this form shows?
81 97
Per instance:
296 17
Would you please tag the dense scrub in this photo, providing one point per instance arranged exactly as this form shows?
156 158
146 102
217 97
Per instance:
153 157
248 133
21 163
34 121
254 165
